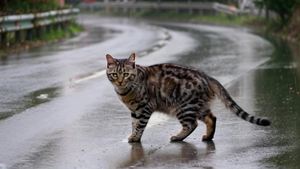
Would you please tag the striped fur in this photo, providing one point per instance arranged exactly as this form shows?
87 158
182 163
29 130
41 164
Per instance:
235 108
179 91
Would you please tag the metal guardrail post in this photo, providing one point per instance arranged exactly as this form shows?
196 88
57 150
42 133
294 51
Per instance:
3 39
12 27
18 36
29 34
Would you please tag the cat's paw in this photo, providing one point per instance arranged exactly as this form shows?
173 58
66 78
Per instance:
206 138
134 139
175 139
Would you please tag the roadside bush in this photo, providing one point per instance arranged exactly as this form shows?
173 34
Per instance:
26 6
283 8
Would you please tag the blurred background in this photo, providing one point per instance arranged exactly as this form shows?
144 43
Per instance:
58 110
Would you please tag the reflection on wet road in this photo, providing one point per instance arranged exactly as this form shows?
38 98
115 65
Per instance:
69 117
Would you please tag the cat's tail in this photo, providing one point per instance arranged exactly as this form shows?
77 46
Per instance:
222 93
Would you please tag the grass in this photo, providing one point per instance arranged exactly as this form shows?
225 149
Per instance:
56 34
71 29
221 19
225 19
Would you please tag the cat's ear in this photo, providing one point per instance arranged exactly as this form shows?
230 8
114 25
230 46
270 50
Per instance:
132 58
110 60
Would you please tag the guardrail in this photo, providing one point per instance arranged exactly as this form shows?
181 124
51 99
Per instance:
32 24
191 7
226 9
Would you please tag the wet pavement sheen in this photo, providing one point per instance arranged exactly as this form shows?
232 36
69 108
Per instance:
67 125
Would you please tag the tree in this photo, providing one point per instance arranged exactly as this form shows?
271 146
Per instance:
283 8
3 4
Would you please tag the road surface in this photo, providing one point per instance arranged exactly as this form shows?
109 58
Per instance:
60 112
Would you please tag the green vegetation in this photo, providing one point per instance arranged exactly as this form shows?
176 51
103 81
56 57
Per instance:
282 17
226 19
287 23
53 34
283 8
70 30
24 39
281 20
220 1
26 6
220 18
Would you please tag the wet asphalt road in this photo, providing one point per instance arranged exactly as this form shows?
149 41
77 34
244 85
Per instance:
60 112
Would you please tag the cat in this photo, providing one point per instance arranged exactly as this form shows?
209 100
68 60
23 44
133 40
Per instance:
179 91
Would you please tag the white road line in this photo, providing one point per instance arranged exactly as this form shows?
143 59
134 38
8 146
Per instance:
86 78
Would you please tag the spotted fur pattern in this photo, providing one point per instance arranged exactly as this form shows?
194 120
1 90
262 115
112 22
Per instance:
175 90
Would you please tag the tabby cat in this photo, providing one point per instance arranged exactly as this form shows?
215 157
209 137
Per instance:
172 89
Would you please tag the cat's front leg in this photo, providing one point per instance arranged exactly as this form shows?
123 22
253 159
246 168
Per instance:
135 135
139 124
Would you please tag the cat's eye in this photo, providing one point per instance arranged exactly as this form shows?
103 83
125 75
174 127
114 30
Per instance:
126 74
114 75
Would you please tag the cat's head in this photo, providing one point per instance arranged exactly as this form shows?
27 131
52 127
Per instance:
121 72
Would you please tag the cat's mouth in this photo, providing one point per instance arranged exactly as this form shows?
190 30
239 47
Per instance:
120 84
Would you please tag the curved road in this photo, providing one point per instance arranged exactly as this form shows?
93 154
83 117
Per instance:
62 113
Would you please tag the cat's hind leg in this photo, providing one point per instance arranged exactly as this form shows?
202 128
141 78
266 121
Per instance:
188 120
210 121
